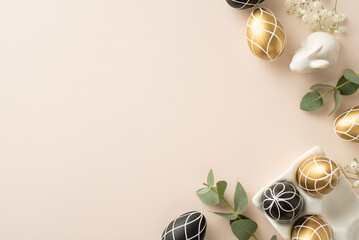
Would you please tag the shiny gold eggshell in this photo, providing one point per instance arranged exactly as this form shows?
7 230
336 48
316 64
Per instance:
265 35
318 175
346 125
311 227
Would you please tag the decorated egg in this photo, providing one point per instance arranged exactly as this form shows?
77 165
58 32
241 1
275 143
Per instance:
318 175
265 35
244 4
346 125
191 225
311 227
282 202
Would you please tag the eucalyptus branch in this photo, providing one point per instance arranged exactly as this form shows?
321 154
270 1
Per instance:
242 227
347 85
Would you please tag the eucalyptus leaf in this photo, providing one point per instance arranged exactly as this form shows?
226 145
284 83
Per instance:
210 178
209 198
229 216
203 190
351 76
240 199
349 88
337 100
244 229
221 187
311 101
242 217
319 86
274 237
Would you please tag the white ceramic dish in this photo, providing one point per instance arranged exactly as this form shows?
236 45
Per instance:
340 208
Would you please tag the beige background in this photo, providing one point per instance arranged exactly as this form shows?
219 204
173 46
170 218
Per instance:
112 113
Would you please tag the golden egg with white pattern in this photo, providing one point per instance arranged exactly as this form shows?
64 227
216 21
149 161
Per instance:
318 175
346 125
265 35
311 227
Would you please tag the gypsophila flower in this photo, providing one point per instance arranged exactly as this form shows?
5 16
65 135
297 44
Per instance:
352 172
288 2
316 16
355 165
317 4
324 13
305 18
336 18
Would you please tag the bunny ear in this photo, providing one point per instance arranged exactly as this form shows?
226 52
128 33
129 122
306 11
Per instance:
319 63
314 50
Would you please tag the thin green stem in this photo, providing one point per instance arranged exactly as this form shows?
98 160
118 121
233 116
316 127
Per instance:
230 206
333 89
335 6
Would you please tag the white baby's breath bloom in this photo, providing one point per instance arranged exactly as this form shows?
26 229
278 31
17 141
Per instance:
324 13
298 12
356 183
288 2
317 4
336 18
355 165
341 29
305 18
330 13
316 17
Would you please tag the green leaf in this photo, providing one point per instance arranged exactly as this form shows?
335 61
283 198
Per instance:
349 88
337 100
351 76
210 178
244 229
203 190
274 237
209 197
229 216
242 217
311 101
240 199
221 187
319 86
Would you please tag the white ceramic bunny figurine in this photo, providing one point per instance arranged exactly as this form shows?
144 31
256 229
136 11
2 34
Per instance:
319 50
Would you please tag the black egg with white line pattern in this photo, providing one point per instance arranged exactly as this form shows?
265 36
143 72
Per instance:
282 202
244 4
188 226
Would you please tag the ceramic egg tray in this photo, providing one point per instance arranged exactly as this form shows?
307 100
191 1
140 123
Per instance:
340 208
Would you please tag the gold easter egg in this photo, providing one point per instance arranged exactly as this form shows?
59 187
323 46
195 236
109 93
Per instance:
265 35
318 175
311 227
346 125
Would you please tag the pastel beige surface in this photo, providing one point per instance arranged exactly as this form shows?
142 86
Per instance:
114 111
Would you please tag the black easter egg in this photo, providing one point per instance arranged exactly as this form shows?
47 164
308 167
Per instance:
282 202
244 4
188 226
